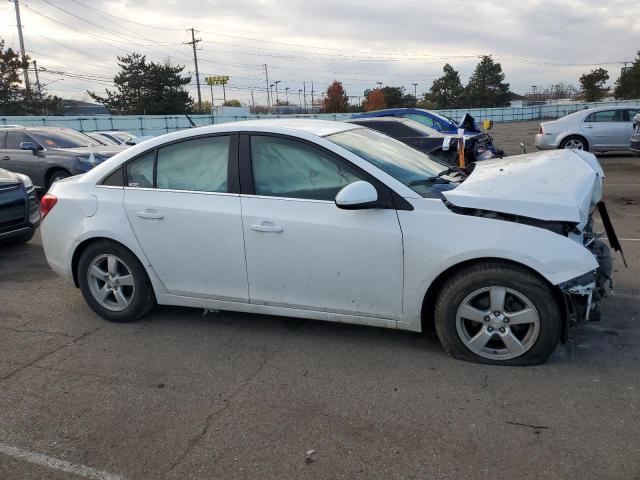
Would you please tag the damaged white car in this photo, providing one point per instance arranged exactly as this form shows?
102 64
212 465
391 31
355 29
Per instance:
333 221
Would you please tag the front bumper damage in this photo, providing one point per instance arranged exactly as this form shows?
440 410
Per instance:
582 295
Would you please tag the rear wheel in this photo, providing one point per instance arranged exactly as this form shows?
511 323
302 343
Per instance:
498 313
574 142
114 283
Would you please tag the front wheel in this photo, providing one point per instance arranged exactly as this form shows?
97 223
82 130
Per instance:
114 283
498 313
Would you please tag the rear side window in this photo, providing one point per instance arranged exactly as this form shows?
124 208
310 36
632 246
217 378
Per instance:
288 168
394 129
605 116
423 119
140 171
14 139
196 165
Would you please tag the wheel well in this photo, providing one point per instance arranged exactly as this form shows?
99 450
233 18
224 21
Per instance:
51 171
575 135
75 259
427 312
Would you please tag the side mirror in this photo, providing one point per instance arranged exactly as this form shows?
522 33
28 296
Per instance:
29 146
357 196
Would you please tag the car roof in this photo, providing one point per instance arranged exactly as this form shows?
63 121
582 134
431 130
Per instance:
312 126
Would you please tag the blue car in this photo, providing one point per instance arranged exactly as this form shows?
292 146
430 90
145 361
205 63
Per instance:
438 122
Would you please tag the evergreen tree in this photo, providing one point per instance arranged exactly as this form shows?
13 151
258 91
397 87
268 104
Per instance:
446 91
628 85
592 85
486 87
147 88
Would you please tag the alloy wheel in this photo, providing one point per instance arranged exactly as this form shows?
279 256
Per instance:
497 323
574 143
111 282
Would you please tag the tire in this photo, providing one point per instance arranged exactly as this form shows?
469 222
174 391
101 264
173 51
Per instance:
575 141
472 326
19 240
57 175
122 292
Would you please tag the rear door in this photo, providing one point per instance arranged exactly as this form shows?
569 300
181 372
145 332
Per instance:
183 203
302 250
607 129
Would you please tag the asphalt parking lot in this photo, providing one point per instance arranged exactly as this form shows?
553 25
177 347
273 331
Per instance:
185 395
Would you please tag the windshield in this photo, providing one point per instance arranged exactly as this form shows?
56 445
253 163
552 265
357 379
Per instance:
122 136
63 139
405 164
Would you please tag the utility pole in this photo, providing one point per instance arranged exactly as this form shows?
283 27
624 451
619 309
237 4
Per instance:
415 91
22 53
211 86
193 43
253 103
277 97
304 95
311 95
266 75
35 67
300 98
286 92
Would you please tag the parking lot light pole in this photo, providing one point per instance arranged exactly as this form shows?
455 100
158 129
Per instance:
286 92
415 91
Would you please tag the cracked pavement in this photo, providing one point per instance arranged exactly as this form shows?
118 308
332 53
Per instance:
183 395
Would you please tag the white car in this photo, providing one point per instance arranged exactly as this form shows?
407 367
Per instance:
598 129
334 221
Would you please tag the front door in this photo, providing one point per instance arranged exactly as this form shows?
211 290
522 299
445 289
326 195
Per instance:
22 161
302 250
185 213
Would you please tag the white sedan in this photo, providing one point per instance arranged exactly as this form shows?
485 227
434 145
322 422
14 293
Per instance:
333 221
598 129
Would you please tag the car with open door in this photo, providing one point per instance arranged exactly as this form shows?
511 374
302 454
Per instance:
333 221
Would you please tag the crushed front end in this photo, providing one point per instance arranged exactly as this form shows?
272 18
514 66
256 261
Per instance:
582 295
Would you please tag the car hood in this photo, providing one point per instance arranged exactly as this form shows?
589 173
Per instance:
559 185
99 152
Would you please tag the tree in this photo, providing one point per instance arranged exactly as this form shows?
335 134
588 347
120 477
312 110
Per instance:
446 91
592 87
232 103
336 99
374 100
14 98
628 85
147 88
11 93
486 87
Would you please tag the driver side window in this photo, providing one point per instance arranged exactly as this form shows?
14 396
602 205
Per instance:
292 169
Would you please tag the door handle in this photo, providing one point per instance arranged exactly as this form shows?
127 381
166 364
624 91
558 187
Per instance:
6 157
588 126
150 215
267 227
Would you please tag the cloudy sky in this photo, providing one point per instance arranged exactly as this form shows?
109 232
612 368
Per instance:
538 42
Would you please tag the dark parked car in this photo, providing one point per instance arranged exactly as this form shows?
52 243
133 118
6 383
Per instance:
634 144
47 154
19 212
438 122
438 144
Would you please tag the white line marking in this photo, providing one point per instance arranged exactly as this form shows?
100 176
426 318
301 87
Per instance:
630 239
57 464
